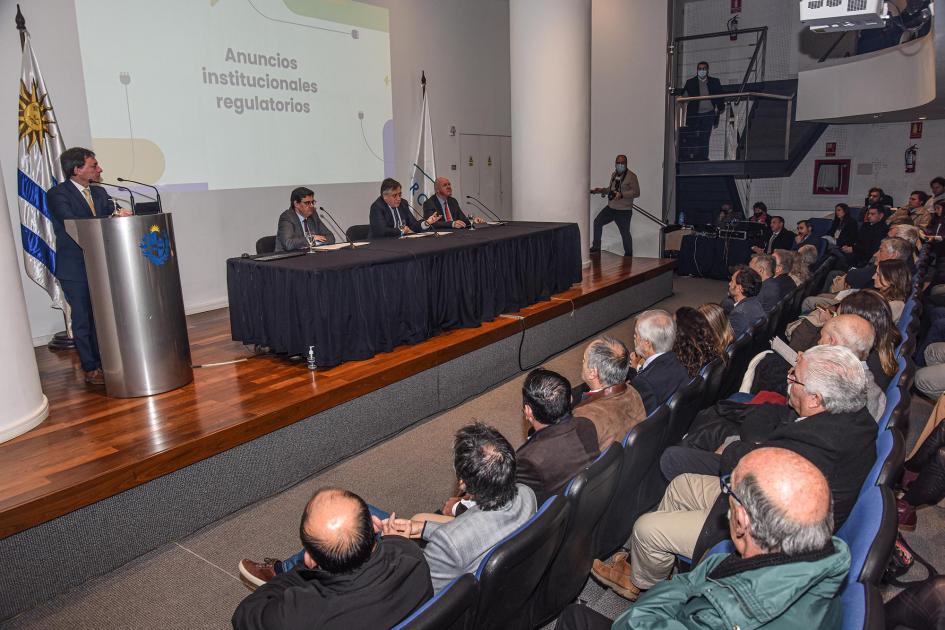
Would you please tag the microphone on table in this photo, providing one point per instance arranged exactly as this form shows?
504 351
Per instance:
485 207
337 225
157 193
419 217
131 197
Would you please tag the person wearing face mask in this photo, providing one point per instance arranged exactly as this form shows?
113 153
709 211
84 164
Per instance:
623 189
701 116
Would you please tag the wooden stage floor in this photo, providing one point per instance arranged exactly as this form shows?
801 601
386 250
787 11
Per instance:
92 447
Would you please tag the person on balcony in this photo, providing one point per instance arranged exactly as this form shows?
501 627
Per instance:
701 116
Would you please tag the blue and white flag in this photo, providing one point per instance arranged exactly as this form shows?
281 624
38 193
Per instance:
38 170
423 168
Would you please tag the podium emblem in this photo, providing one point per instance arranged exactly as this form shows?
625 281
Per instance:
155 246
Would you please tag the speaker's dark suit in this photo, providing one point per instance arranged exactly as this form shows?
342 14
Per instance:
745 314
382 220
432 205
289 234
66 202
659 380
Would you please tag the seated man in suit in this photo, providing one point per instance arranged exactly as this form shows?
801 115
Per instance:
349 577
743 288
775 285
613 406
805 236
391 216
77 198
655 372
780 237
301 220
485 467
787 571
445 205
559 445
826 422
868 237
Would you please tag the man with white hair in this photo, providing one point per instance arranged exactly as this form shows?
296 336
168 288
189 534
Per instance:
787 570
655 372
826 422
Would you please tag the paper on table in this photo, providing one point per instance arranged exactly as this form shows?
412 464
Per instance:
787 352
337 246
419 234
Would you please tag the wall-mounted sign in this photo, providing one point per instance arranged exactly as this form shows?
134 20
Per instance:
831 150
736 6
915 130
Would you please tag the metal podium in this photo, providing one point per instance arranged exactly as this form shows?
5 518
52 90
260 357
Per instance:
137 304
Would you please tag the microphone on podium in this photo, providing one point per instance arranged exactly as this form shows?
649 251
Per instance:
157 193
131 196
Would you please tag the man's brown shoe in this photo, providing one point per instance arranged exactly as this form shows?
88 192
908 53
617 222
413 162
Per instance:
615 573
95 377
256 574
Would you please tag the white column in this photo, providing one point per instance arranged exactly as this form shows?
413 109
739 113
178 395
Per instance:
550 52
22 402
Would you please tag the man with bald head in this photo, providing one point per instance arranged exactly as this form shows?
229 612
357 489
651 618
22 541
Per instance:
348 577
826 422
787 570
446 207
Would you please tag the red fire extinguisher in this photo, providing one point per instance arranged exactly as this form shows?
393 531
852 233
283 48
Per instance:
910 158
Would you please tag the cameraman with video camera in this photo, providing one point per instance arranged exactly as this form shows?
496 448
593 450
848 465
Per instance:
621 192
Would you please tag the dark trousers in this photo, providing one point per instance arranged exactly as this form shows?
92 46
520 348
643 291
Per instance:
83 324
679 460
580 617
622 219
698 132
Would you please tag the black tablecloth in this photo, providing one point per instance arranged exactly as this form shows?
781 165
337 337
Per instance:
352 304
709 257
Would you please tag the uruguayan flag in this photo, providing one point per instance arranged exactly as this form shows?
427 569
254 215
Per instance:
38 171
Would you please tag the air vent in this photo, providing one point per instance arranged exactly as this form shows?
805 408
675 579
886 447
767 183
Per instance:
834 3
815 4
856 5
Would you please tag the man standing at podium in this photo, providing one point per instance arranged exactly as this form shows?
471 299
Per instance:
76 198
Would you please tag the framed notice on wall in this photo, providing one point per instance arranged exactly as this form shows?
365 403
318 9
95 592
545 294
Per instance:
915 130
831 177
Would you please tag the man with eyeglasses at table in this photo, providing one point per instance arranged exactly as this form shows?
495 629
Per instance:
301 220
391 217
826 422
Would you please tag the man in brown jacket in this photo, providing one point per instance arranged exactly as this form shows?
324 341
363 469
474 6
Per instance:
611 404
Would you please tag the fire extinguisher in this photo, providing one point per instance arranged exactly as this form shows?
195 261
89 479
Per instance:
910 158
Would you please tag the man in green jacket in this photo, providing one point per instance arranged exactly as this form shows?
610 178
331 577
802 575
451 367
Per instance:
787 571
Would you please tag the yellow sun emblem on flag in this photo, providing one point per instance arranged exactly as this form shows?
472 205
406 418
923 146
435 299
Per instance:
33 110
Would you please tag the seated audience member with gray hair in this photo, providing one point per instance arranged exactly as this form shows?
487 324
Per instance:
893 248
348 577
850 331
559 444
787 570
484 463
826 422
611 404
655 371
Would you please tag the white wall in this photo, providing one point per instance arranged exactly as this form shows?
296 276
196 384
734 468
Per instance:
877 159
463 47
628 99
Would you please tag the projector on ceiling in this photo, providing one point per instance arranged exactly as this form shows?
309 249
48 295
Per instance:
828 16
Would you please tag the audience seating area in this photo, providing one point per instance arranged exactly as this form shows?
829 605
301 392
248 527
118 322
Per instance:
529 577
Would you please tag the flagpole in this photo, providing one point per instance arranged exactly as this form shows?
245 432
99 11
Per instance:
63 339
21 26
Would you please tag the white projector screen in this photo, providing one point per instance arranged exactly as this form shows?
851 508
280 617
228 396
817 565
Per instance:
229 94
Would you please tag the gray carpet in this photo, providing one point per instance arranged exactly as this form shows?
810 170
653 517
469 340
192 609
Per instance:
194 582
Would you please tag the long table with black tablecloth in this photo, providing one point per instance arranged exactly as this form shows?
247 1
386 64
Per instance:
711 257
352 304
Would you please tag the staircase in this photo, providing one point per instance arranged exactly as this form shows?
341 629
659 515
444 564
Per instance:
760 149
